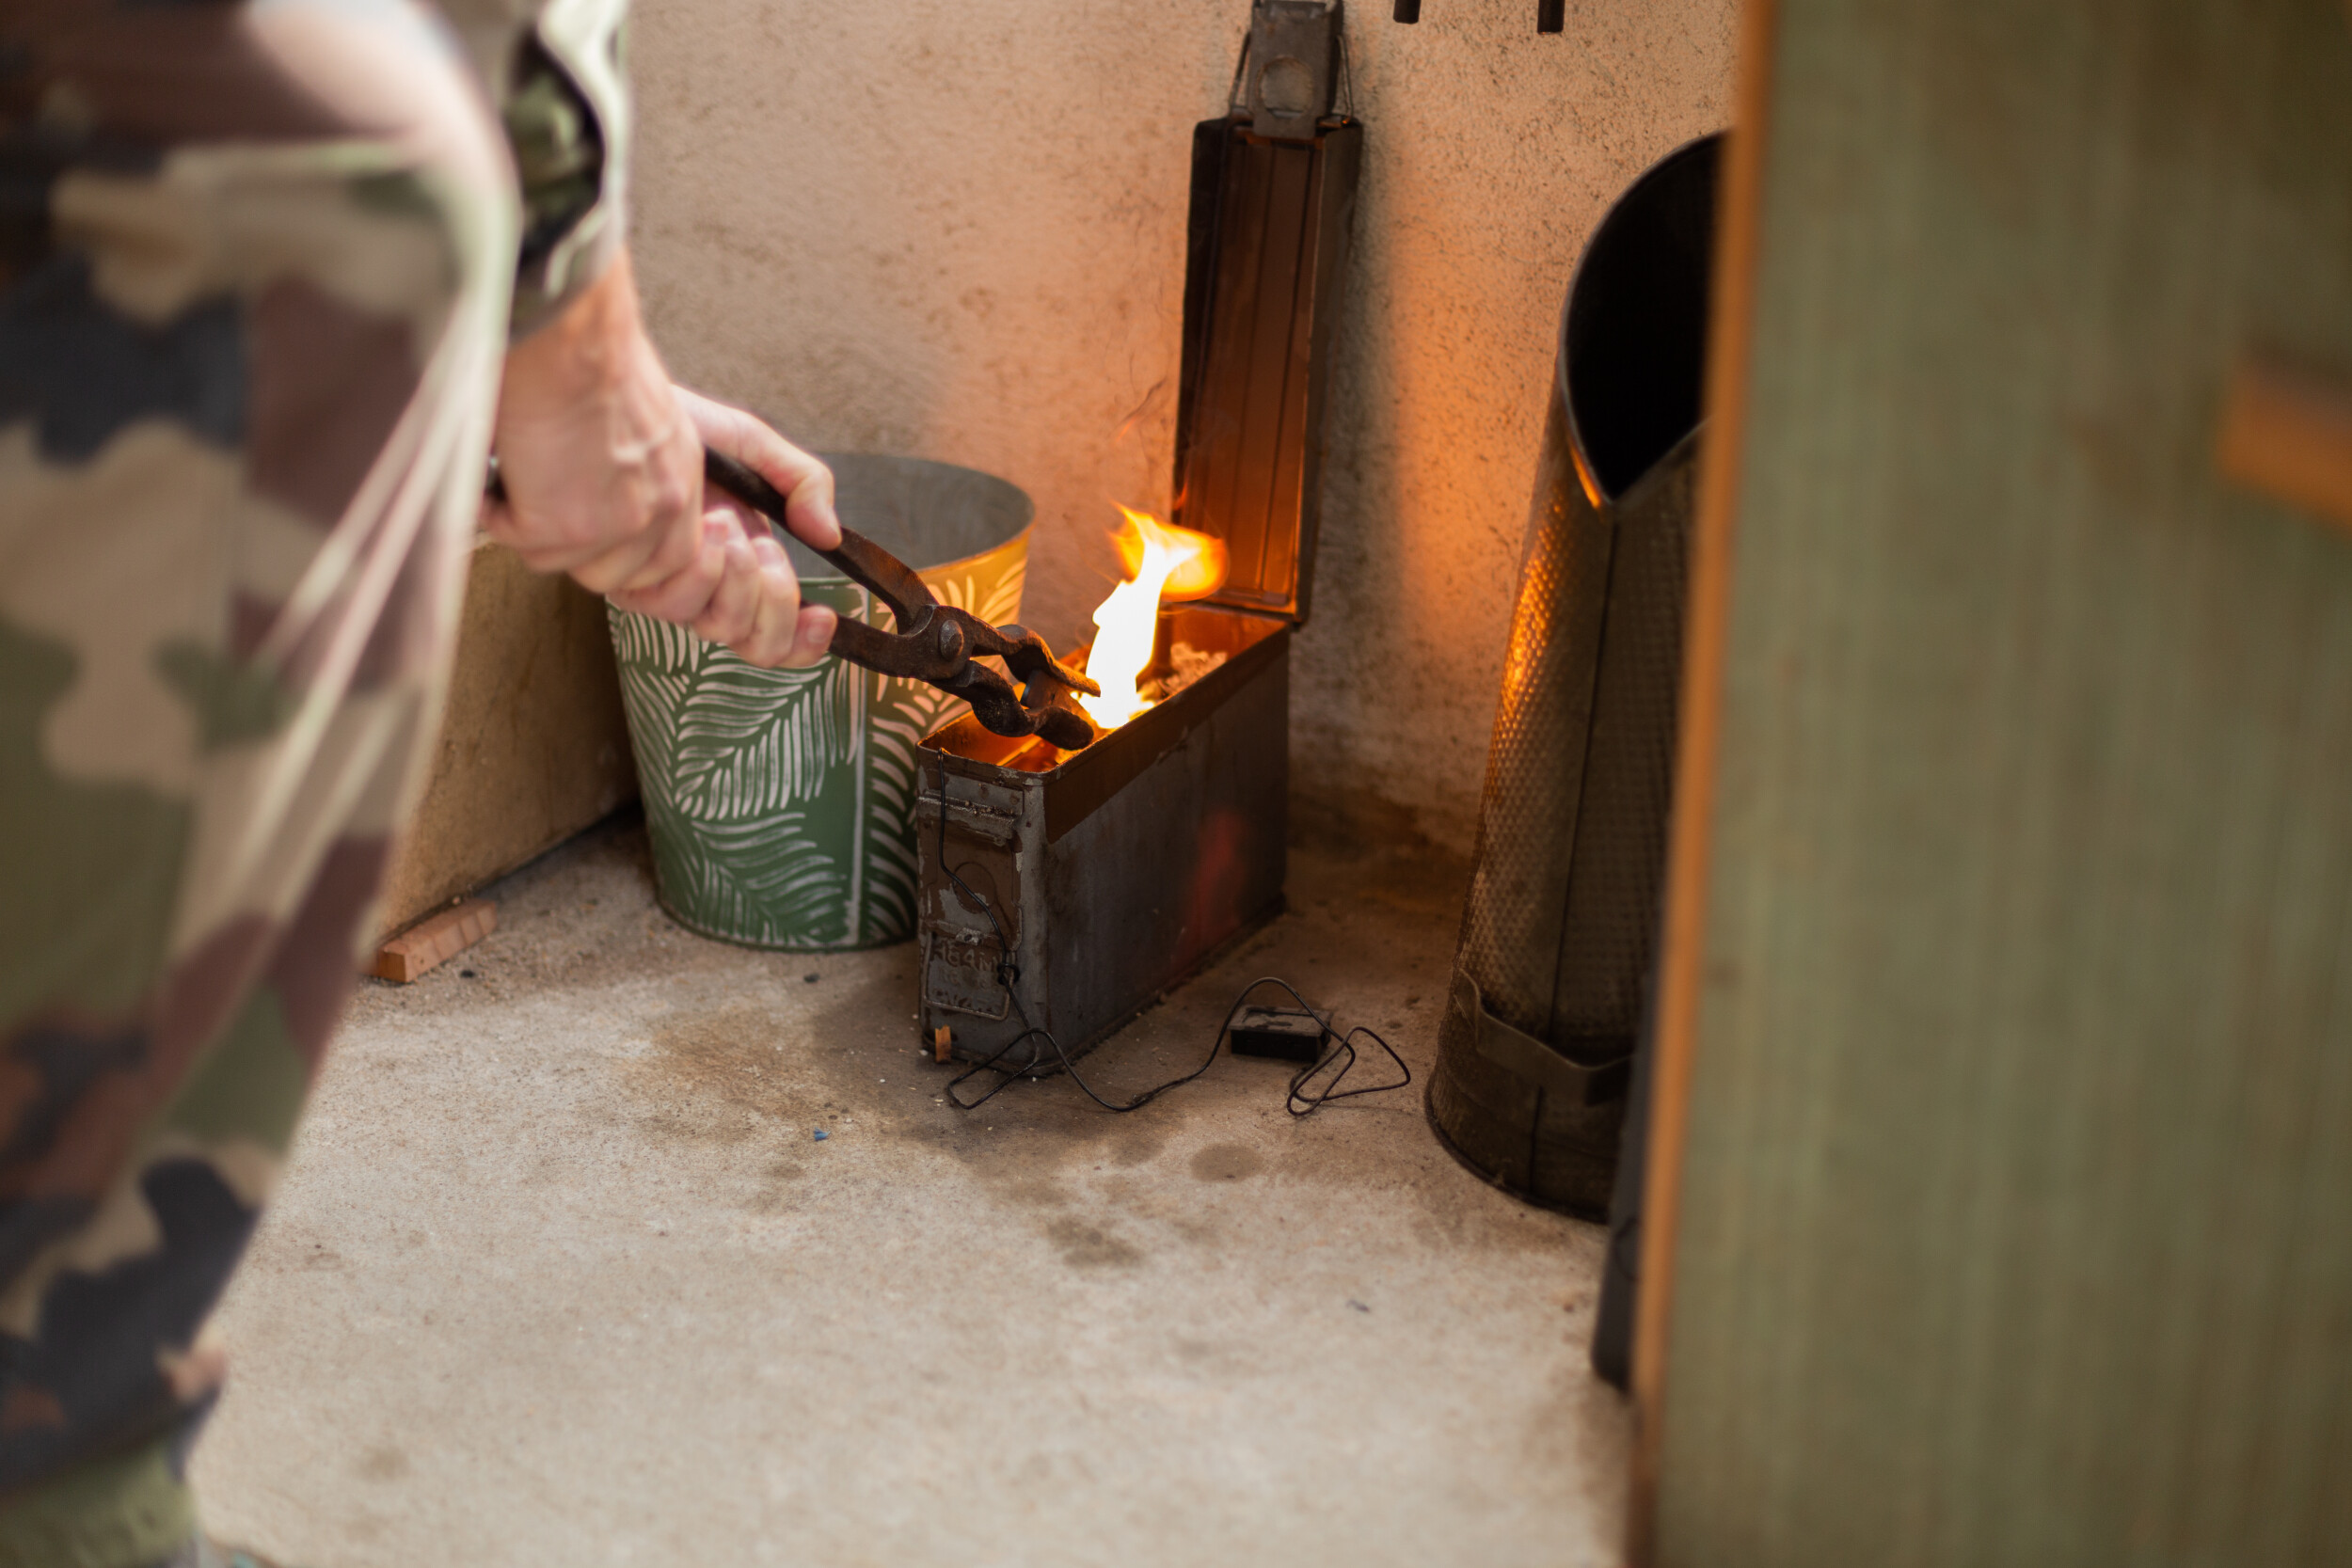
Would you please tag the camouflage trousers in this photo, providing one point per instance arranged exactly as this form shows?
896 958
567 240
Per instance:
254 268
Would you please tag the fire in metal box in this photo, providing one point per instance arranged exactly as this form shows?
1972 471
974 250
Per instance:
1062 891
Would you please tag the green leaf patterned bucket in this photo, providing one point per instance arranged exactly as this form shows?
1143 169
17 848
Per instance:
781 802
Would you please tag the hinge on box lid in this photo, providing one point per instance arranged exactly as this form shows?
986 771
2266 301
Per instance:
1292 68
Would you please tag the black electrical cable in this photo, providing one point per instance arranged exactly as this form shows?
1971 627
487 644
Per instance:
1341 1045
1009 976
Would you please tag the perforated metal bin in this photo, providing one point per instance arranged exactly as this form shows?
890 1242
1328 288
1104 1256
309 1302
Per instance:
1560 933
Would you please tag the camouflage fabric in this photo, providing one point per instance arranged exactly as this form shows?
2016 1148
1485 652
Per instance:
555 69
255 267
201 1553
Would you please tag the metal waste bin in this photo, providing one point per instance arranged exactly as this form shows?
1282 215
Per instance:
1559 938
781 802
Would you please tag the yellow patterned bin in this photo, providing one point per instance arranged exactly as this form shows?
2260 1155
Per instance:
781 802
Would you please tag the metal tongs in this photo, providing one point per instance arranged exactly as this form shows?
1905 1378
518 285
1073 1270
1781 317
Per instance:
936 644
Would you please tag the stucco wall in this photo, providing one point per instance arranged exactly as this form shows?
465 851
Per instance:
954 228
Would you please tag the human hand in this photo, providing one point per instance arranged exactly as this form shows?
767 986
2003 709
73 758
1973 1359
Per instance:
601 458
756 608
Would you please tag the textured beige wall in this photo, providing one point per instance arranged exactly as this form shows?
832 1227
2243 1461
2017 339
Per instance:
956 228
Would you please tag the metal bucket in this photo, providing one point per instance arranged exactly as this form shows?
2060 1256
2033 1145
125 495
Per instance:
1553 975
781 802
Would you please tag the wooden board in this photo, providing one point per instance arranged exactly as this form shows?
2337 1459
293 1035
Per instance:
533 747
1689 845
2008 1142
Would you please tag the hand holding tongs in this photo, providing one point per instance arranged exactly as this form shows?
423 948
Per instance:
936 644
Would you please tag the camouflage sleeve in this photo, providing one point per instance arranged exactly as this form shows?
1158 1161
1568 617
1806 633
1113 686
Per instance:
555 71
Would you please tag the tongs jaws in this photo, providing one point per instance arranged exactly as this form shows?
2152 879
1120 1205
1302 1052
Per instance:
936 644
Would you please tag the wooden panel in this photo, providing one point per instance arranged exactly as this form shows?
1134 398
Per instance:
1689 845
533 745
2011 961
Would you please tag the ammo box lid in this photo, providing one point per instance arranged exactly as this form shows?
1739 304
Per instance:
1265 271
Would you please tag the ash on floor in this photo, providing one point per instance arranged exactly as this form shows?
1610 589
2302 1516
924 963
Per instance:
561 1274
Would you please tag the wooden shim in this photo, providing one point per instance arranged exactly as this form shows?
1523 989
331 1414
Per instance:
434 940
2288 434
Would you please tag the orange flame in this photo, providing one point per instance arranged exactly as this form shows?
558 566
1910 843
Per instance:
1163 562
1199 569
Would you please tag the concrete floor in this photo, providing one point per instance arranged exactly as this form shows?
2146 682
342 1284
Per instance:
560 1275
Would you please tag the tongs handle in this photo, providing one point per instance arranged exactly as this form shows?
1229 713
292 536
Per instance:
864 563
935 643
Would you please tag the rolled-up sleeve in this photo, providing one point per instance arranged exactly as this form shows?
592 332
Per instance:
557 76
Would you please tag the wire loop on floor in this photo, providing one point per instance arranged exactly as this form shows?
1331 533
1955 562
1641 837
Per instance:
1007 975
1340 1045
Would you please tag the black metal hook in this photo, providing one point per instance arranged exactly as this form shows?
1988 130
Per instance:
1551 16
